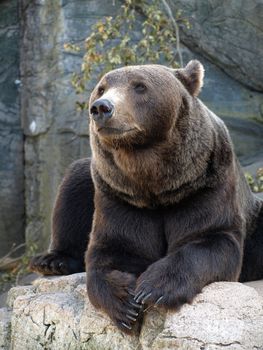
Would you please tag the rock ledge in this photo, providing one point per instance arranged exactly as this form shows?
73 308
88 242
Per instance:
55 313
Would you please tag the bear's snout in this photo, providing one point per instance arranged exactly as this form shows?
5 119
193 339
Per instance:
101 110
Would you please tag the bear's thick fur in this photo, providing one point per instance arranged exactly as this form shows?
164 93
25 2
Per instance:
173 211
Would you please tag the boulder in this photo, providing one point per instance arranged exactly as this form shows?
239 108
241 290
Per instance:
55 313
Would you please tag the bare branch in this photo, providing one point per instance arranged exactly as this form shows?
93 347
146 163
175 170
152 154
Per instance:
176 27
6 260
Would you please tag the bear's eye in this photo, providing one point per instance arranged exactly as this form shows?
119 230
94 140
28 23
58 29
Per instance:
139 87
101 90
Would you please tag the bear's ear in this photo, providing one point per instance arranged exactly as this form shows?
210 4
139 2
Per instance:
191 77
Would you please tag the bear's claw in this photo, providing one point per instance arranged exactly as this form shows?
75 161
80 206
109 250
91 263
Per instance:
159 300
142 296
136 305
131 318
126 326
133 313
126 320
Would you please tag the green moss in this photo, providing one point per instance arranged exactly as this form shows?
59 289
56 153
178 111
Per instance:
12 272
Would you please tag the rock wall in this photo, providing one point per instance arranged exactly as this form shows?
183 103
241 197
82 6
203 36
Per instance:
55 133
225 36
11 134
229 33
238 106
55 314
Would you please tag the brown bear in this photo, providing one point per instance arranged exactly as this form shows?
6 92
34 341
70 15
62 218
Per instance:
172 210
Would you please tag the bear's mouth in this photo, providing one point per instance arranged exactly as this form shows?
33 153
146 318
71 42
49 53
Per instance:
113 131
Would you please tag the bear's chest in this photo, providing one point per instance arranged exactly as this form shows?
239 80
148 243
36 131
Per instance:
142 185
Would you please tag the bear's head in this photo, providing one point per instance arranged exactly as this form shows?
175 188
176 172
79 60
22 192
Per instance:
137 106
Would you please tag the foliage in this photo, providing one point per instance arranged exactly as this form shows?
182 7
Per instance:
127 40
255 182
12 269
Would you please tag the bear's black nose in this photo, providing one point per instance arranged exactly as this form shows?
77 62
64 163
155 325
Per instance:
101 110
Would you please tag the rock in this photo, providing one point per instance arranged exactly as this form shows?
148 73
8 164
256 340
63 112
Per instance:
5 328
16 292
225 316
257 285
54 284
3 298
229 34
239 107
11 134
56 134
6 296
55 313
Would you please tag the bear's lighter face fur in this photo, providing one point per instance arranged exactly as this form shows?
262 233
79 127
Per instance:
136 90
148 145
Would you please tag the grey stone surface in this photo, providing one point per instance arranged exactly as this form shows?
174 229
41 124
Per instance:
257 285
55 313
11 135
56 134
239 107
229 33
5 328
221 317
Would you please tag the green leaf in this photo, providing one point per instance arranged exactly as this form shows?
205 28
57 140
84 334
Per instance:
157 41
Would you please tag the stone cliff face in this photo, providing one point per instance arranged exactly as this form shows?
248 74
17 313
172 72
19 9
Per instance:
229 33
11 134
55 133
225 36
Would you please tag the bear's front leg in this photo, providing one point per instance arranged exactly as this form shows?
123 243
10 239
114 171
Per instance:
117 254
71 224
181 275
113 292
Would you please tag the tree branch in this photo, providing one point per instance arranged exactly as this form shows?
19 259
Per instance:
176 27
